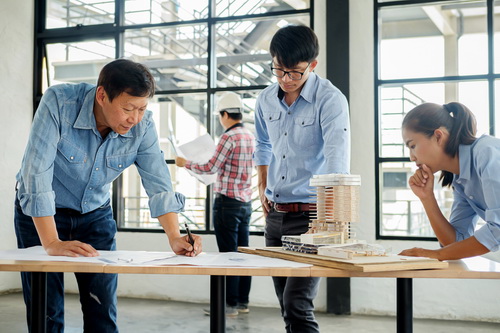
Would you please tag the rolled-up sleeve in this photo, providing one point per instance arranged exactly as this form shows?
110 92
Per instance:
263 149
487 160
35 193
155 176
335 126
463 218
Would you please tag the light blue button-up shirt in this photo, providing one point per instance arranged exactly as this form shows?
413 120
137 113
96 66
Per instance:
67 164
477 192
312 136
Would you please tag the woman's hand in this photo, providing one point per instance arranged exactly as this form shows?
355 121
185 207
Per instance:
419 252
422 182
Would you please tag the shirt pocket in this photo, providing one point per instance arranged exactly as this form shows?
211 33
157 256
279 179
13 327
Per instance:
116 164
71 153
273 124
303 132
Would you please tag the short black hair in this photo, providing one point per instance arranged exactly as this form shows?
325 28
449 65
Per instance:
293 44
234 116
123 75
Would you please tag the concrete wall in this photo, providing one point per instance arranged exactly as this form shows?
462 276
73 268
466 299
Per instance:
449 299
16 112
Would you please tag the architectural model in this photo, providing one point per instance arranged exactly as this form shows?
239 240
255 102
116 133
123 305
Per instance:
336 199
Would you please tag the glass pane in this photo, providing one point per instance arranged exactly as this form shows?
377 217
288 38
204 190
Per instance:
402 212
78 62
66 13
158 11
245 7
474 95
497 108
445 38
185 115
249 98
395 102
177 56
242 49
496 35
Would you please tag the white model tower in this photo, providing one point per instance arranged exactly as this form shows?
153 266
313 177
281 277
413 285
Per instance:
337 206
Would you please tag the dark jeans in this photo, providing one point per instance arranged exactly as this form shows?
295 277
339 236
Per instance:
231 224
97 291
295 294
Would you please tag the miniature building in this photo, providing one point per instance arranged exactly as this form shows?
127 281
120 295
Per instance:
337 206
336 197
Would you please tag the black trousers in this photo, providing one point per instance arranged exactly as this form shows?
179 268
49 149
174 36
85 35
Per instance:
295 294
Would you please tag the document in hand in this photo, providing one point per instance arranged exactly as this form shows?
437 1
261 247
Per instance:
200 150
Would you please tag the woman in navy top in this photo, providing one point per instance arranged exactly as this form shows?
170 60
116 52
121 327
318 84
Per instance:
442 138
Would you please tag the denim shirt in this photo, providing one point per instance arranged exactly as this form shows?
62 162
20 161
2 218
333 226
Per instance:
312 136
476 192
67 164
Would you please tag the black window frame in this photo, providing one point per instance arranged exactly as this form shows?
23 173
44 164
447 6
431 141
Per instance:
490 77
116 31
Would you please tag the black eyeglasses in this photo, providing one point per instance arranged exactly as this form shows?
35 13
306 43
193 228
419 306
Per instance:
294 75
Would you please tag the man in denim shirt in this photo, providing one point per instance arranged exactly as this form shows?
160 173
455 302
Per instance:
82 138
302 127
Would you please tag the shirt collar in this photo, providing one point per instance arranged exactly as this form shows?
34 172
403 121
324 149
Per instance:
86 118
464 154
307 91
234 126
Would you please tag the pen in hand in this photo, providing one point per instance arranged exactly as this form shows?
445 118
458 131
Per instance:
191 240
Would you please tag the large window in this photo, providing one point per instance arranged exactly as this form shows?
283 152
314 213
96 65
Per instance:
196 50
428 51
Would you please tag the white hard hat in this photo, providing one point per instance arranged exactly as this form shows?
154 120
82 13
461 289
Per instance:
229 102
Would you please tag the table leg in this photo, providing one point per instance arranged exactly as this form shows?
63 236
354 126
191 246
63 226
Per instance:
38 320
217 304
404 295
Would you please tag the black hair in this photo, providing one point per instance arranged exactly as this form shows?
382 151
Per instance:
293 44
124 75
234 116
455 117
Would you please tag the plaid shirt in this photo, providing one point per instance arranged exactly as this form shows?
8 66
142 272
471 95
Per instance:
233 163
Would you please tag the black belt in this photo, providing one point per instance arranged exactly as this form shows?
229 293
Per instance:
294 207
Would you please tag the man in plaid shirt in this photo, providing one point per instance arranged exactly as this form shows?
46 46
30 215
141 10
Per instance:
232 161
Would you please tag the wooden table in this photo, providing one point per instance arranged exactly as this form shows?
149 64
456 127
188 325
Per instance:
39 270
470 268
473 268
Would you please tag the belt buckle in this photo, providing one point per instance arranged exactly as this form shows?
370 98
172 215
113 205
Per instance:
275 206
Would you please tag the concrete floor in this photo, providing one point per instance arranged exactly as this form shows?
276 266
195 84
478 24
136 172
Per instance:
145 316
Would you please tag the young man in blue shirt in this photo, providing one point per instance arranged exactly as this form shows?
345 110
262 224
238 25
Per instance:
82 138
302 129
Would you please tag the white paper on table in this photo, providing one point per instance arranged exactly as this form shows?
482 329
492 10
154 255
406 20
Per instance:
230 259
37 253
226 259
199 151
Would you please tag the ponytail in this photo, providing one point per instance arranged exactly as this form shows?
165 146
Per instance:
455 117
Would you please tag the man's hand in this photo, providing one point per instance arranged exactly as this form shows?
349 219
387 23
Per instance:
47 232
70 249
180 161
266 204
261 185
180 245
